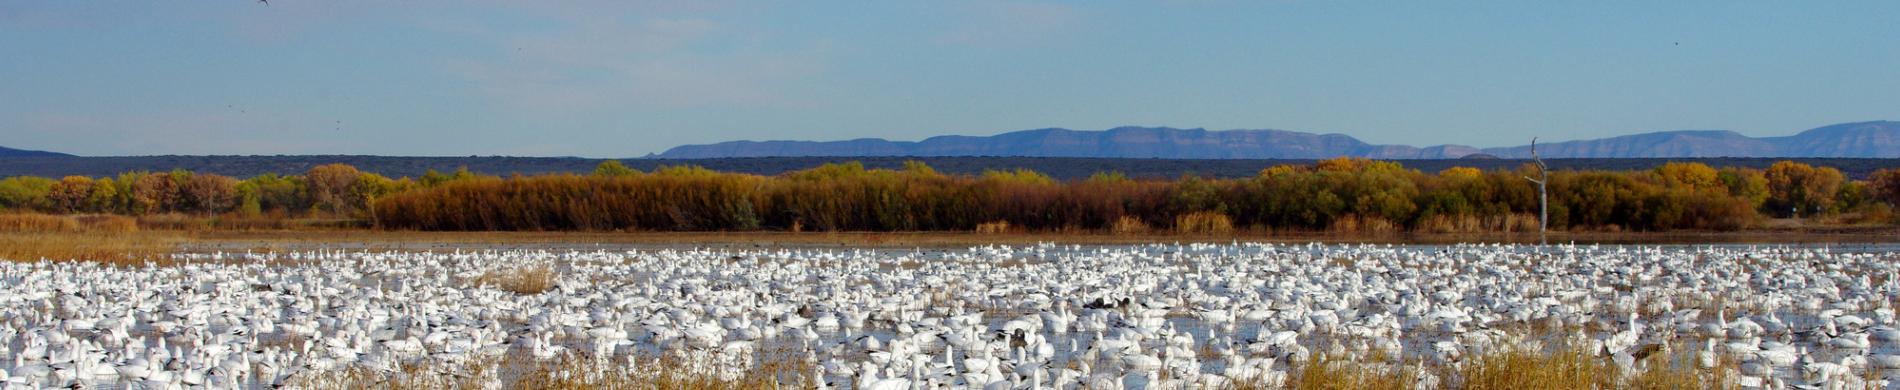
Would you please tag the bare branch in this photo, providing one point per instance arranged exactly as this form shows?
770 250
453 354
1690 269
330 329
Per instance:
1543 195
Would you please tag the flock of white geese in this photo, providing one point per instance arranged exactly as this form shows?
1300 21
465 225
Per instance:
991 317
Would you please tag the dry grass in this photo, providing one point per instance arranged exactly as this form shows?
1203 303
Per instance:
1441 224
1204 223
1677 370
1354 224
105 238
1129 225
521 280
78 223
241 222
1325 373
127 248
107 223
175 222
997 227
479 375
234 233
16 223
1518 367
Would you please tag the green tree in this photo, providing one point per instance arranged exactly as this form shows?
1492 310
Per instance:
24 192
920 169
613 168
1746 184
104 197
275 193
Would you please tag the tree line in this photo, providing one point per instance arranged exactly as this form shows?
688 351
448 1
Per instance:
326 191
1345 194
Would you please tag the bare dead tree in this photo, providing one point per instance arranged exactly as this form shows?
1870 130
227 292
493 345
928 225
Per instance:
1543 197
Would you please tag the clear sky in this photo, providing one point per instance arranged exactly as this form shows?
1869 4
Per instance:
626 78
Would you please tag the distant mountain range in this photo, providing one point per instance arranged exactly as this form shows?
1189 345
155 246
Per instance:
1878 139
11 152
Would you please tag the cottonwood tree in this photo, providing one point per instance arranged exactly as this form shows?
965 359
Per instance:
1746 184
152 193
329 187
1801 188
1885 185
209 194
70 194
104 196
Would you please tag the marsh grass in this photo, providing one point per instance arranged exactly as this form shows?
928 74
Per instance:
123 249
1357 225
528 280
1204 223
16 223
80 223
1324 372
995 227
1129 225
1519 367
1677 369
1569 367
109 239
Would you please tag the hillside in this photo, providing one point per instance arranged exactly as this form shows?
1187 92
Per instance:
11 152
1879 139
1120 142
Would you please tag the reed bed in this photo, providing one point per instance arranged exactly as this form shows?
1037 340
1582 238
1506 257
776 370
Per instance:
78 223
1204 223
520 280
108 239
129 249
1329 373
1519 367
1566 367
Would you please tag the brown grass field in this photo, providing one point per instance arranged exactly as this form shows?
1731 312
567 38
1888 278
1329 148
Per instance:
140 246
128 241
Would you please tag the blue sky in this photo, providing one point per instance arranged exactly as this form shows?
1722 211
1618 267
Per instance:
626 78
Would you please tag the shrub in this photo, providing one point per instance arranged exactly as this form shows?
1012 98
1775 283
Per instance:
1362 224
995 227
1129 225
1204 223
